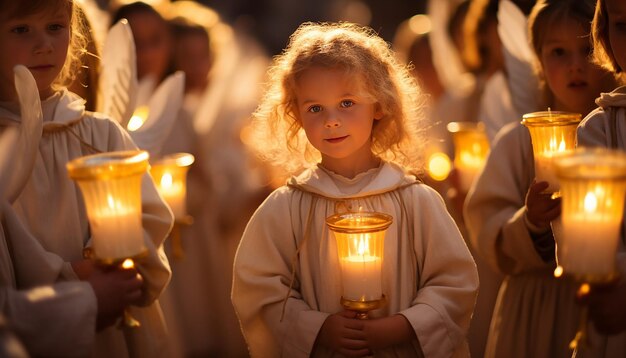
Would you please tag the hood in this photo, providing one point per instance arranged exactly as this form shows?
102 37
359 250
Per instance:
616 98
317 181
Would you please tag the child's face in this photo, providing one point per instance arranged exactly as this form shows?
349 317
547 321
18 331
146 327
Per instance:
337 116
616 10
152 42
39 42
193 57
565 57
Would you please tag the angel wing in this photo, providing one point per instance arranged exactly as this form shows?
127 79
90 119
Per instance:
446 59
20 144
519 58
163 108
118 81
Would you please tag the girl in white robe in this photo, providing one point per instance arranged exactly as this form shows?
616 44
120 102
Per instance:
606 127
507 216
46 227
341 86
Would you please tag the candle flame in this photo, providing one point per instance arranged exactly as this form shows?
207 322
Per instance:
590 202
439 166
138 119
554 147
111 201
558 271
166 181
128 263
363 247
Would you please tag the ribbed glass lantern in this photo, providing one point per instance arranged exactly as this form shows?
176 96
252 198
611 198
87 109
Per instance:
360 244
111 186
551 133
471 148
170 177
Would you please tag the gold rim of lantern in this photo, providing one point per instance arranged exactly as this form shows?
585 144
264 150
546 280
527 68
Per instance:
363 306
465 126
109 165
551 118
177 159
591 163
359 222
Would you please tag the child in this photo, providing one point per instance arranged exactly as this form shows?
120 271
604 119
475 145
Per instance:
507 216
47 227
341 87
606 127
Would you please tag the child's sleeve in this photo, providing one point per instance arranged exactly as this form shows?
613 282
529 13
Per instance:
594 131
448 280
495 206
273 323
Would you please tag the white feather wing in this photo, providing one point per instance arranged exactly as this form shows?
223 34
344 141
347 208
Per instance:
19 145
163 108
519 58
118 81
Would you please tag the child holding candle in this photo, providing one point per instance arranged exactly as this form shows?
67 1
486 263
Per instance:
46 226
340 104
507 215
606 127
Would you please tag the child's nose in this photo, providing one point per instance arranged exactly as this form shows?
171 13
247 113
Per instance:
43 44
332 121
578 63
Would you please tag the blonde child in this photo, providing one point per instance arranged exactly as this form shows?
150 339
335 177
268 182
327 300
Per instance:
340 103
507 216
606 127
46 227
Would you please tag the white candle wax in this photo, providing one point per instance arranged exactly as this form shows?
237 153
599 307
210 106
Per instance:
544 171
174 194
117 233
589 245
362 278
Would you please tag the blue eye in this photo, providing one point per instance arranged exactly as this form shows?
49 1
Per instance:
347 103
315 109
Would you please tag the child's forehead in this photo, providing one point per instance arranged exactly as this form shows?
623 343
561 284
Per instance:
52 9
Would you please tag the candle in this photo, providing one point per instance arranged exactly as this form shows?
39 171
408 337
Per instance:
551 133
471 148
116 231
361 277
170 176
174 194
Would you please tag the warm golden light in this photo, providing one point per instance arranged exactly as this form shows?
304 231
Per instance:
360 245
170 177
439 166
551 133
138 118
471 148
593 186
111 186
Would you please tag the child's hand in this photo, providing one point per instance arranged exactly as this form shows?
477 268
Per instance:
388 331
606 307
115 289
541 208
343 333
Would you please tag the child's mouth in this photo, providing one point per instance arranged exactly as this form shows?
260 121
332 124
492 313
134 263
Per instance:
336 139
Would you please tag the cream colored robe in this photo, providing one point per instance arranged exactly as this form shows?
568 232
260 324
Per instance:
429 275
47 227
535 314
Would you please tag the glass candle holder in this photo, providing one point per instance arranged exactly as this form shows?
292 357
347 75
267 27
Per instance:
471 148
360 245
551 133
111 186
170 177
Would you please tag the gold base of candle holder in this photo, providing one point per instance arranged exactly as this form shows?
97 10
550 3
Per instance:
363 307
177 243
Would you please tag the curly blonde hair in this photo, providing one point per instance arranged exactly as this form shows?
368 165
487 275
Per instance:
602 52
361 53
78 40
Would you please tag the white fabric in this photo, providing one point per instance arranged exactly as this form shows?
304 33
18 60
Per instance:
48 227
428 273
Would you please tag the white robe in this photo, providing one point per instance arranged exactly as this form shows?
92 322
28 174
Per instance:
536 314
47 227
429 275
